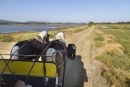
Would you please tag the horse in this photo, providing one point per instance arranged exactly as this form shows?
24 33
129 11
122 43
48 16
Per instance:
29 47
57 45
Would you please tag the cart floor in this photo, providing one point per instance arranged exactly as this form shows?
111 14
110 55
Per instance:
33 81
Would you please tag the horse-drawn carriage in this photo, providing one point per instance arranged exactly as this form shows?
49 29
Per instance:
25 65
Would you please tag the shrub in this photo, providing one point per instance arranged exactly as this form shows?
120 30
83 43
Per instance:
99 44
99 38
116 59
116 77
122 48
117 66
6 38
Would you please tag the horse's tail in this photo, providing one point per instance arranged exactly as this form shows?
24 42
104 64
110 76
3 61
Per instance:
49 53
14 51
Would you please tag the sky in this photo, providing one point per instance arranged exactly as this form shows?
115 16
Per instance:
77 11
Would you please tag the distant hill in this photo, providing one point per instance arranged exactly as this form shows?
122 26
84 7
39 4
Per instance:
3 21
35 22
30 22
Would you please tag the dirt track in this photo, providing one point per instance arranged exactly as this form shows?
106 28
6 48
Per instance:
76 73
84 71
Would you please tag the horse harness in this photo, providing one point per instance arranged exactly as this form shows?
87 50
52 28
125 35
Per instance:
39 38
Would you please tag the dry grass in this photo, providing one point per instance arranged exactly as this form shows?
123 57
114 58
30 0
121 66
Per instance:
116 69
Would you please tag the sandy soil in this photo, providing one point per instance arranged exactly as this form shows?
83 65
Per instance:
85 70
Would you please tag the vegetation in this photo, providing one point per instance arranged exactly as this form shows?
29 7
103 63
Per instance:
117 68
123 37
98 41
117 65
119 26
116 60
13 37
99 44
6 22
102 23
8 38
90 23
98 38
19 36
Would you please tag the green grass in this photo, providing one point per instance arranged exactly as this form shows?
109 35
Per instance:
99 38
116 77
123 38
119 26
115 59
99 44
7 38
14 37
117 66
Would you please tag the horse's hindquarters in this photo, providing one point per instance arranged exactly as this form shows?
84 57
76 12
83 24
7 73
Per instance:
14 52
50 54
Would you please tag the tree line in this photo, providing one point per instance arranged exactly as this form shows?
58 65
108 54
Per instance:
41 23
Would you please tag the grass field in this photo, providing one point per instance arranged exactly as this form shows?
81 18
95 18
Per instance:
118 26
117 65
116 69
123 37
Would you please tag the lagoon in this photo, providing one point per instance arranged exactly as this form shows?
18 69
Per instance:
25 28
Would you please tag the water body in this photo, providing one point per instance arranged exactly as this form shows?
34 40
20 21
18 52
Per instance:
25 28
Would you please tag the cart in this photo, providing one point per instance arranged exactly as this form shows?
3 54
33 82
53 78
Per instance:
34 73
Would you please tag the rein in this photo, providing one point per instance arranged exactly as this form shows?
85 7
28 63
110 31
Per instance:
46 47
